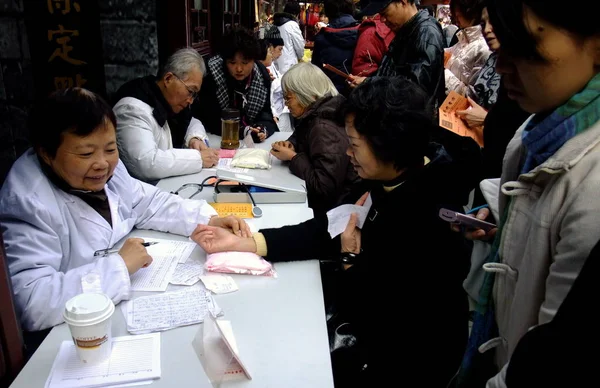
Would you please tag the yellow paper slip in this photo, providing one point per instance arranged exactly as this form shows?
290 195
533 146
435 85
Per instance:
241 210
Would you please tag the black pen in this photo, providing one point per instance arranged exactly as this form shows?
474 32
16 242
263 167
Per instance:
106 252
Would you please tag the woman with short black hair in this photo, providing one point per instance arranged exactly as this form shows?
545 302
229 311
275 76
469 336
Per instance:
404 257
237 79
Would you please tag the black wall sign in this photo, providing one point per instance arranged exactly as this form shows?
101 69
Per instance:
65 44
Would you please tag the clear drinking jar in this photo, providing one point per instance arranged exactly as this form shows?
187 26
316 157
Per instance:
230 129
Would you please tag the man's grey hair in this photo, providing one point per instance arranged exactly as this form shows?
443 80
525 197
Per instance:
308 83
182 62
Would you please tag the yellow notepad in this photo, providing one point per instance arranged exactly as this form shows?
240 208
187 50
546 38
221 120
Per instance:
241 210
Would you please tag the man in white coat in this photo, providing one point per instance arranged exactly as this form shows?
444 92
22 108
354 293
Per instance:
69 197
293 41
153 117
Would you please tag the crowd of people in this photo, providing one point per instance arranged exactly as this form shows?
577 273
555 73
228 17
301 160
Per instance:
530 71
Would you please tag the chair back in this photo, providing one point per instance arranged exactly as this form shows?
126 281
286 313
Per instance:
12 355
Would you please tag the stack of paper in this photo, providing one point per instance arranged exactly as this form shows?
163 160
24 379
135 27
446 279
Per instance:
134 359
165 255
169 310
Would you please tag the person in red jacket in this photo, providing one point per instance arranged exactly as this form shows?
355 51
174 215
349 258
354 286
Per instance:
374 39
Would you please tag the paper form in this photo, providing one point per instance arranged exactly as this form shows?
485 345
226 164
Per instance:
452 122
169 310
133 359
219 284
180 249
187 274
165 257
339 217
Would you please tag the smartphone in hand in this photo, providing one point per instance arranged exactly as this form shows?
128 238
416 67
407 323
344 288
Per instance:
462 219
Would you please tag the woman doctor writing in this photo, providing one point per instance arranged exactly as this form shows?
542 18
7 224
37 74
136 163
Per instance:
70 196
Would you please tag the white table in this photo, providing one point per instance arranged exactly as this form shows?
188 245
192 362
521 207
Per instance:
279 324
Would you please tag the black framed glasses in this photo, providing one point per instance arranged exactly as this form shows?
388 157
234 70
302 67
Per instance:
193 94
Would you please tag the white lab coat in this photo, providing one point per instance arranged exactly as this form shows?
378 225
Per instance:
276 97
278 107
293 46
147 148
51 236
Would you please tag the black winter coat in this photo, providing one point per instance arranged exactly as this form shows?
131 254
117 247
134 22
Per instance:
417 53
335 46
411 267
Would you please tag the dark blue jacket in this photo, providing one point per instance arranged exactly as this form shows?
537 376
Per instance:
335 46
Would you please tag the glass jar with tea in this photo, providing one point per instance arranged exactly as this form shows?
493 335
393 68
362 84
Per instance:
230 129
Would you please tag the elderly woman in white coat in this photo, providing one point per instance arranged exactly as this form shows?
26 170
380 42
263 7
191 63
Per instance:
154 121
70 196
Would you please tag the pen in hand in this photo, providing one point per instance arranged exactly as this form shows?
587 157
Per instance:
106 252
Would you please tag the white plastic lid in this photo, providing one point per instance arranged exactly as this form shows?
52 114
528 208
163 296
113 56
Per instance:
88 309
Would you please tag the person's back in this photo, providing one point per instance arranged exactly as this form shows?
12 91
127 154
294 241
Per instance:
417 53
374 39
288 26
334 45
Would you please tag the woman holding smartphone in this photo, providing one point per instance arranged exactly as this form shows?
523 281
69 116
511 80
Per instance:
548 201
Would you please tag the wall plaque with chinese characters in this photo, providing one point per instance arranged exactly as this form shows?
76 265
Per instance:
65 44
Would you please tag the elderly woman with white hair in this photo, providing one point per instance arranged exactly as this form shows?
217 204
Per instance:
317 149
154 121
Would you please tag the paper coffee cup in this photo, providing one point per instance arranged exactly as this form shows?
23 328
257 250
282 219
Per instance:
89 319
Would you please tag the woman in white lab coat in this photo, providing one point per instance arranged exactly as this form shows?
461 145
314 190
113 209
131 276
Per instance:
70 196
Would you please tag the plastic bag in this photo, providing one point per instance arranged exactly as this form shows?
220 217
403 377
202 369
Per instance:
244 263
252 158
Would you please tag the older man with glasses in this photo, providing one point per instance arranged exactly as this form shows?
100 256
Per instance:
153 117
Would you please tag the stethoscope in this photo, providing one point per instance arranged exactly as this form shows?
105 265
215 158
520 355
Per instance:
256 211
199 187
